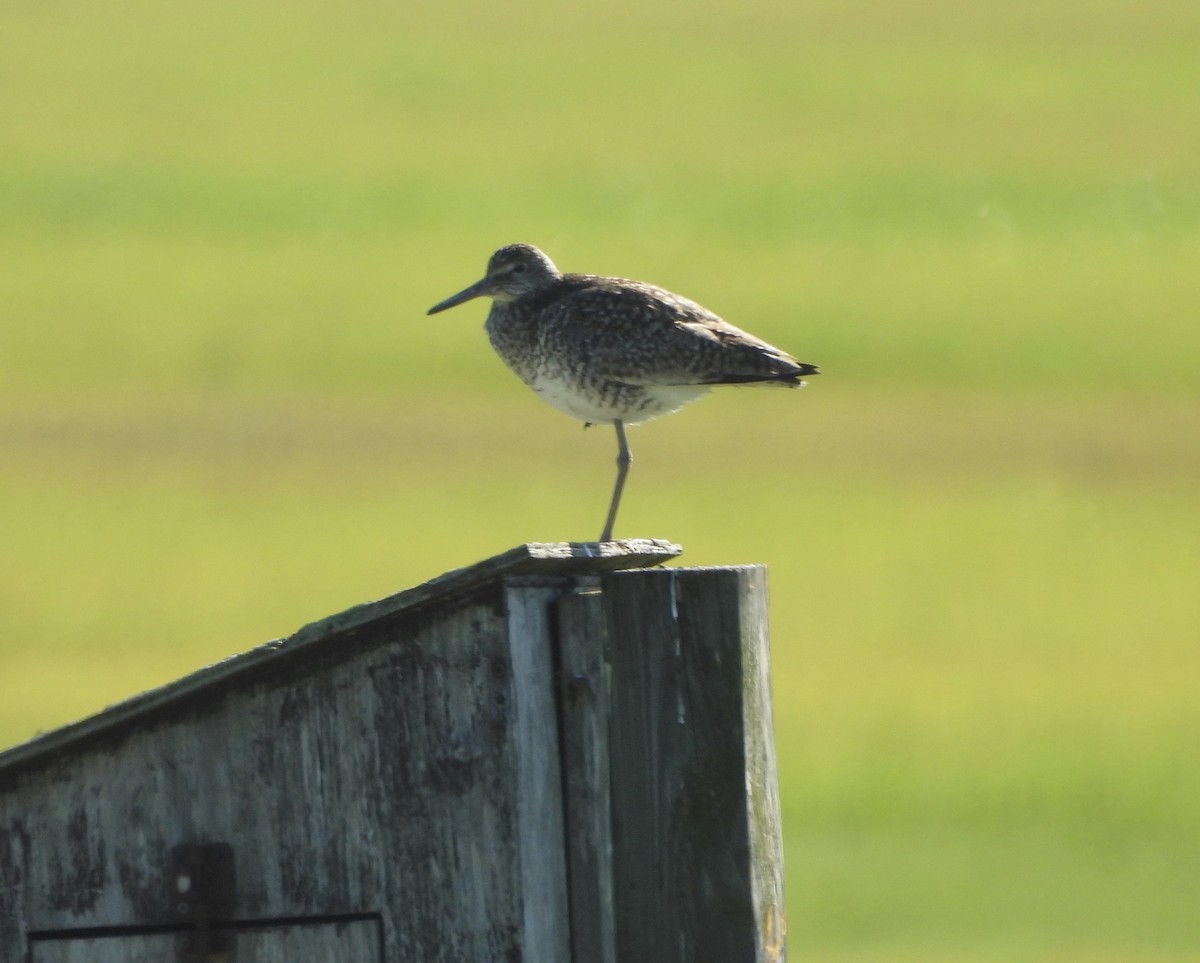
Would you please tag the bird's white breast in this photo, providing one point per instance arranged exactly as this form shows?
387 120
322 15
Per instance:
628 403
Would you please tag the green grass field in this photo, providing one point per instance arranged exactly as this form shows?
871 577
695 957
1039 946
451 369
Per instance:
223 413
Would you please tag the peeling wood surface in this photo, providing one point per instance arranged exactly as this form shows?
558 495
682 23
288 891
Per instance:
541 760
387 779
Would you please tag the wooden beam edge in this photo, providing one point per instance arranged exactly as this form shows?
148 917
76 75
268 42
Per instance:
532 558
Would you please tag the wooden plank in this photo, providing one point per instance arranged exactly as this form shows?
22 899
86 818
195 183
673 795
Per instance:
697 870
583 713
541 841
547 559
532 559
762 776
356 941
388 782
138 948
421 767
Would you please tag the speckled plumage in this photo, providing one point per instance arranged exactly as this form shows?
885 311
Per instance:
611 350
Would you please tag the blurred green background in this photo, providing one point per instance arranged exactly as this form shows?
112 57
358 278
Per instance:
223 412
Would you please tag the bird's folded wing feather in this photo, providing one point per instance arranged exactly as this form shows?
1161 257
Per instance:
638 334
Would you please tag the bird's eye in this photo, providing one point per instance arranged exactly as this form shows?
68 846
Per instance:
518 269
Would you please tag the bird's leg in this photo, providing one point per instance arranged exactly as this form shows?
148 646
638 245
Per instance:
624 460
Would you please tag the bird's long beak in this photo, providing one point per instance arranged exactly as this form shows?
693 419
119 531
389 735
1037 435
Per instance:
478 289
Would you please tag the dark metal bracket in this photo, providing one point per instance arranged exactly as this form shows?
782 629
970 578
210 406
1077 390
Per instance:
201 890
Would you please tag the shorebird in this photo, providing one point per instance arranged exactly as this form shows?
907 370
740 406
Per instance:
612 351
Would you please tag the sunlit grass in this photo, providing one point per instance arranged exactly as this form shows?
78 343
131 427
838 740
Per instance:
992 296
986 683
223 412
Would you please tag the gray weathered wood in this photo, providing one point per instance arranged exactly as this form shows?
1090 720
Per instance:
533 759
342 942
402 754
381 772
543 868
583 681
536 559
697 864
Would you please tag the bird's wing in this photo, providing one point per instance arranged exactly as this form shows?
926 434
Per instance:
639 334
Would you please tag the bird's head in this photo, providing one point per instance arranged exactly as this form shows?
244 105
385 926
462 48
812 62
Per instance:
513 272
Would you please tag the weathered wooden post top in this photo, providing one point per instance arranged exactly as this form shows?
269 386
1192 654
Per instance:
558 754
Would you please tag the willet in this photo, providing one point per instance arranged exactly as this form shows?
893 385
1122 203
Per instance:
608 350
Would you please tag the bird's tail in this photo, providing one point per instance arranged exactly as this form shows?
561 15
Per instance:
791 377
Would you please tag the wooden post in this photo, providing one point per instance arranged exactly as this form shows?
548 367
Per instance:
538 758
697 858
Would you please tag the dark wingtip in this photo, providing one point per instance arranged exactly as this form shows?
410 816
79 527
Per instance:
793 378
